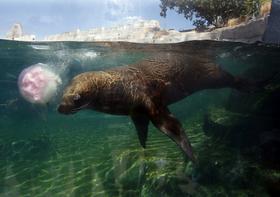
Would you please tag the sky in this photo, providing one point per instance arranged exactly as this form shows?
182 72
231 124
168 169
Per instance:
47 17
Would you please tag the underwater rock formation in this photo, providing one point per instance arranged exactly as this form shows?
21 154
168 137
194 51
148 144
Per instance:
250 124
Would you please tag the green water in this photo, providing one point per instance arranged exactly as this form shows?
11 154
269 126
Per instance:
235 136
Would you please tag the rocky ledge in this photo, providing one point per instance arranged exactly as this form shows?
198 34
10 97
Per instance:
149 31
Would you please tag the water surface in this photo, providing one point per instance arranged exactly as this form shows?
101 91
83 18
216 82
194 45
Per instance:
235 135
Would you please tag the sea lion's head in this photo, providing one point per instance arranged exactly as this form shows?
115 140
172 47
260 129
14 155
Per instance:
76 96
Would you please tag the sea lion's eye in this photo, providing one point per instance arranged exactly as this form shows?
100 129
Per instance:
76 97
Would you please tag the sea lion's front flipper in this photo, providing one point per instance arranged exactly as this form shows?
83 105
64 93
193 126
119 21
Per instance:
169 125
141 122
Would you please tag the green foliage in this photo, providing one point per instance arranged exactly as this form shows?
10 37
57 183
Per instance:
251 7
211 12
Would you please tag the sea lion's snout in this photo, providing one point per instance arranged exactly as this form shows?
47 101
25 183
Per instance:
72 103
63 108
77 95
67 105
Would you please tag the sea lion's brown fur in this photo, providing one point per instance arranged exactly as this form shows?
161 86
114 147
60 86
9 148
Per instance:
145 89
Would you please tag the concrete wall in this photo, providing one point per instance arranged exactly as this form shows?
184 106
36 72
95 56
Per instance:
249 32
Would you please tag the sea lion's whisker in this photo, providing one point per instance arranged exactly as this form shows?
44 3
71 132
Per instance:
81 107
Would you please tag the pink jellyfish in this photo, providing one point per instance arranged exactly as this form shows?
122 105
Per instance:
38 84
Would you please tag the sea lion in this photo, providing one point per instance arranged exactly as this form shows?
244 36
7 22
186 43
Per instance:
145 89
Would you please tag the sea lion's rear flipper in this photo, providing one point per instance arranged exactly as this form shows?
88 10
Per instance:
169 125
141 122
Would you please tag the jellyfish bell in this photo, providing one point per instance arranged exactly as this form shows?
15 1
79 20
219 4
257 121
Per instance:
38 83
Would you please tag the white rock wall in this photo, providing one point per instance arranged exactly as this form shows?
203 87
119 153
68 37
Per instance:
150 32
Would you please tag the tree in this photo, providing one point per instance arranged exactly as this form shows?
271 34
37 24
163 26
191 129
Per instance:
210 12
15 32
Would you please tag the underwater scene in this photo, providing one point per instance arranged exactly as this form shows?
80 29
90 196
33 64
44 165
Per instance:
235 135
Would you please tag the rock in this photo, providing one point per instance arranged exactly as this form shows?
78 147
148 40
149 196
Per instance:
149 31
272 33
246 32
241 131
265 8
27 38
